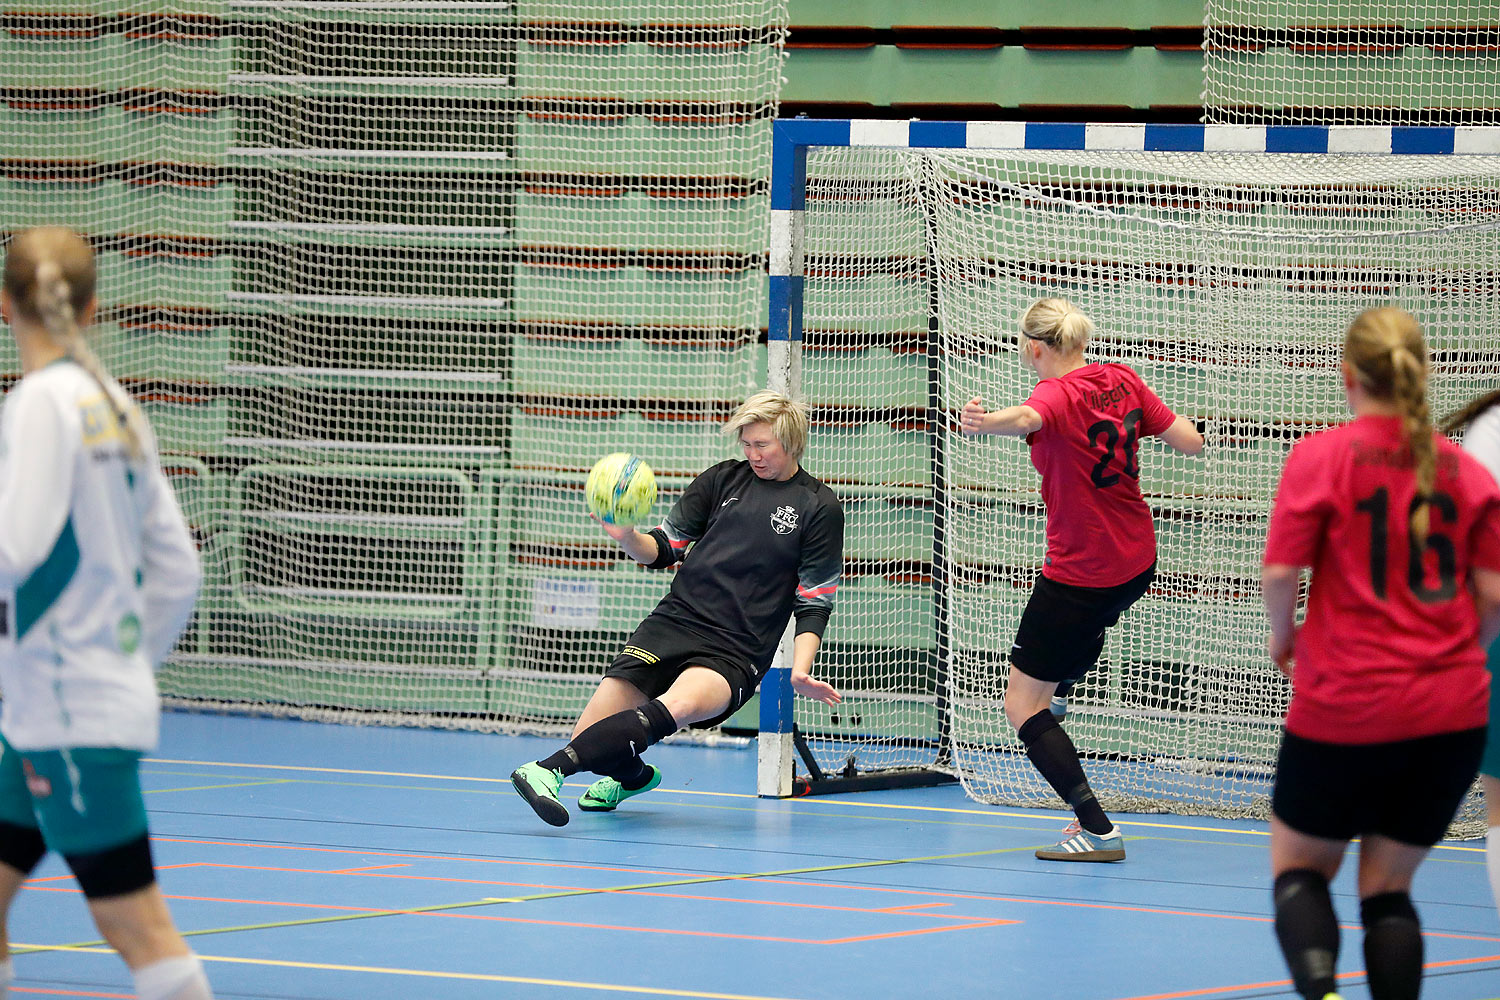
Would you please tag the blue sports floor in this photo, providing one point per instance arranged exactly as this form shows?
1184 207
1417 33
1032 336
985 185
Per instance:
341 863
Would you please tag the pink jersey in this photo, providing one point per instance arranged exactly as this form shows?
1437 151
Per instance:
1389 649
1099 531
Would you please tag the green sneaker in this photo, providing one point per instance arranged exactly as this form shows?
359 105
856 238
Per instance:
606 793
539 786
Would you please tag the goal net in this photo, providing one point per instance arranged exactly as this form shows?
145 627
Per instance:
1226 280
1302 61
388 278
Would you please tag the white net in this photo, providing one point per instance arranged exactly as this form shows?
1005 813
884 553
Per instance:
1430 63
1226 281
390 277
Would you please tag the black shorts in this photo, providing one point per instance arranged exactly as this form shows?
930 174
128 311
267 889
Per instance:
1062 629
1407 790
657 653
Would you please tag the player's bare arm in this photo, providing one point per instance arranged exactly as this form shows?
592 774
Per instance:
1012 421
1182 436
804 649
641 547
1487 599
1278 585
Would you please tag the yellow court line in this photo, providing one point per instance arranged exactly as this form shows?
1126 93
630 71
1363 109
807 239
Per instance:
210 788
476 977
810 800
319 770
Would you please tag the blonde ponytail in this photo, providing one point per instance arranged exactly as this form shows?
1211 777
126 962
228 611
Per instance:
50 275
1411 397
1385 349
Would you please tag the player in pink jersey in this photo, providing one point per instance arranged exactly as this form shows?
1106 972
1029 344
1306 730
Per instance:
1389 690
1083 422
1480 422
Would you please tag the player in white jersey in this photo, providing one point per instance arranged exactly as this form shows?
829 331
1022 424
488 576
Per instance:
98 576
1480 423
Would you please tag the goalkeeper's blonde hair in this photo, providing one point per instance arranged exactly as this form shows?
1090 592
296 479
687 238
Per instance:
50 276
1057 323
786 416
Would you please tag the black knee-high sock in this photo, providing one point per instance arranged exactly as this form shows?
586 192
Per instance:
615 739
1054 755
1393 946
1308 931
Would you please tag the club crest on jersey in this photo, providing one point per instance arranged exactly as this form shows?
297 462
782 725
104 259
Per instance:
784 520
36 784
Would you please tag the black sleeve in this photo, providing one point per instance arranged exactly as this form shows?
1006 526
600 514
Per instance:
821 567
687 520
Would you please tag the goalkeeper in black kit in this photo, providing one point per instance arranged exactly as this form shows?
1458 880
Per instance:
767 541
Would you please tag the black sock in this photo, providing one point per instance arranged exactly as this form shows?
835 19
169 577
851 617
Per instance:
1056 758
631 774
1308 931
1393 946
614 739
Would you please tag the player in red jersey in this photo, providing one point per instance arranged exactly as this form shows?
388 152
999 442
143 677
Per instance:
1389 690
1083 422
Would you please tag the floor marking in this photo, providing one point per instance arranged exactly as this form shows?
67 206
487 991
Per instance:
772 878
967 921
536 897
929 930
796 802
1287 982
474 977
330 770
622 928
210 788
70 993
258 845
696 878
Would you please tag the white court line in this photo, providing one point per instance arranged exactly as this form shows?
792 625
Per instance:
809 800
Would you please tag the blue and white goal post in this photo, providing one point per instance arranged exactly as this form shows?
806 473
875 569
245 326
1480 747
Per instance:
1117 217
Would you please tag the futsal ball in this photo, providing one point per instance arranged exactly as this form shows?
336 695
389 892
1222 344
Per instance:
621 489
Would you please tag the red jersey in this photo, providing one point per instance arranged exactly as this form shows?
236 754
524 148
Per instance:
1099 531
1389 650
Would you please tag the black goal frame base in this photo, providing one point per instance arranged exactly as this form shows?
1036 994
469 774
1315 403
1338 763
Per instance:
851 779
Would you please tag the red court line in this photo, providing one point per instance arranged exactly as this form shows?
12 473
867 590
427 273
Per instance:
929 930
71 993
427 857
1217 989
407 878
658 894
766 881
972 922
1252 918
1459 961
1287 982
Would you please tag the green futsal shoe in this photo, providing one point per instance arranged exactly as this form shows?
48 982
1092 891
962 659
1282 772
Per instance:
539 786
606 793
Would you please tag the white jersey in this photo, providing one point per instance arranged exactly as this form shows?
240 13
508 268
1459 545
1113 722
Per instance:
98 571
1482 439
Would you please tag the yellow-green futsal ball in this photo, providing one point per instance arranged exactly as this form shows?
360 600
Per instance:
621 489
